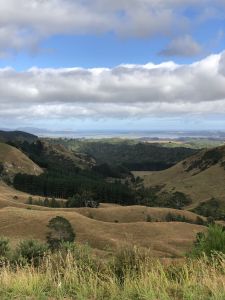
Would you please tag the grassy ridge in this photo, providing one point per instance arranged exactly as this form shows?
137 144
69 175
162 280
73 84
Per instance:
129 275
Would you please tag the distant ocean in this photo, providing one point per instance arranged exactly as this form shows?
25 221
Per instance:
152 135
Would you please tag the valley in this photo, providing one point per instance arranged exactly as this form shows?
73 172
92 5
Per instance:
127 212
126 222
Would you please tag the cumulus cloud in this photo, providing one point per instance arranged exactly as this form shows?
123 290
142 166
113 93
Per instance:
24 23
125 91
182 46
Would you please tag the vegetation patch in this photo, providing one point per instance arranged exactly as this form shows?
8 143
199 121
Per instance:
212 208
209 158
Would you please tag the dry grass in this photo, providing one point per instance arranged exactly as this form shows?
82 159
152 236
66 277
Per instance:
131 214
105 228
200 187
15 161
82 278
164 239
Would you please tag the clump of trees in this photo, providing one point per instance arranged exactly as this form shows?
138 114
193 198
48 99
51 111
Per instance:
84 199
52 202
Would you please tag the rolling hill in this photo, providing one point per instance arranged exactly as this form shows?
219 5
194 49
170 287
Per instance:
201 176
105 228
108 227
13 161
164 239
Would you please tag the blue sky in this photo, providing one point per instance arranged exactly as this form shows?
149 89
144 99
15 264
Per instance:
137 64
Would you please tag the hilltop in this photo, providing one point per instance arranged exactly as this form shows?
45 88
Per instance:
17 136
13 161
201 176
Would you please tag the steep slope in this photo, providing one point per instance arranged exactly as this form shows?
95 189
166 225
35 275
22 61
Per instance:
13 161
80 160
53 156
201 176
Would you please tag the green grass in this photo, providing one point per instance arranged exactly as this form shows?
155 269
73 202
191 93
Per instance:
129 275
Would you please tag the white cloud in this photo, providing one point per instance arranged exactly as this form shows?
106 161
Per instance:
24 23
125 91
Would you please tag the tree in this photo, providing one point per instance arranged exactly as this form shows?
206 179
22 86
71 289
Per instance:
60 231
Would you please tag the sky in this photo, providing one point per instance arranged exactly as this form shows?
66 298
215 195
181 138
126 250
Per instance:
112 65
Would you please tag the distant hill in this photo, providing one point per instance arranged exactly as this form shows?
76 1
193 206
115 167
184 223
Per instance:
17 136
201 176
131 154
50 155
13 161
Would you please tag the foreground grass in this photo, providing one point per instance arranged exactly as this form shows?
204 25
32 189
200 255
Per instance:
130 275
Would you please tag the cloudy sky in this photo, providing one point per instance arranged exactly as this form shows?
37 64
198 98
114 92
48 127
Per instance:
103 64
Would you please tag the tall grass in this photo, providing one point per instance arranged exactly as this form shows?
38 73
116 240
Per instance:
130 275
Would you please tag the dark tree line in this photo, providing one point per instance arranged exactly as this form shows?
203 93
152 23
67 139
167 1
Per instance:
48 185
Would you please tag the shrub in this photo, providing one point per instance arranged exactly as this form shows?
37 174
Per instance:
211 241
30 200
60 231
31 251
4 246
176 218
149 218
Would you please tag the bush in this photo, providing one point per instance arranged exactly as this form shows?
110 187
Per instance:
149 218
31 251
211 241
177 218
4 246
129 260
60 231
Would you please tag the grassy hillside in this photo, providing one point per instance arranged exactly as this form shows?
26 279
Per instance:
201 176
13 161
105 228
164 239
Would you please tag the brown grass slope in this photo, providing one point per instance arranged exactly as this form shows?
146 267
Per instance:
97 227
164 239
131 214
10 197
201 176
14 161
